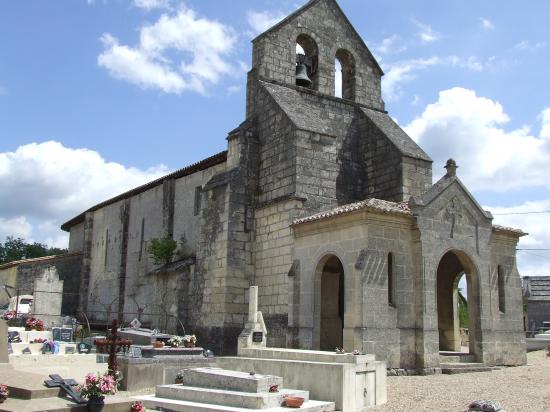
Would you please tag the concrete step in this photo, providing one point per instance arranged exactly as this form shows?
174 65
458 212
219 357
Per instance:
457 358
262 400
465 367
217 378
152 402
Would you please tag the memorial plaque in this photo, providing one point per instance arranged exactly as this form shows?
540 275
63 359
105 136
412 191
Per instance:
134 352
13 337
84 348
257 337
69 350
62 334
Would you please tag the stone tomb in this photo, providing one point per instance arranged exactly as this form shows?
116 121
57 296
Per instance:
214 389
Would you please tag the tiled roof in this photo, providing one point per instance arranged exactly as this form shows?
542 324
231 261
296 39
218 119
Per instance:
511 230
38 259
376 205
202 165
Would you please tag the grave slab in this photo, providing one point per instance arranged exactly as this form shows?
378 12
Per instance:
217 378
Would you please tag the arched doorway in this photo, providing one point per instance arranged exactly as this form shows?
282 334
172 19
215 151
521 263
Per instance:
452 301
329 306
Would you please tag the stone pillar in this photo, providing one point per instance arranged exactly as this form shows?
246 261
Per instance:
48 295
3 342
254 334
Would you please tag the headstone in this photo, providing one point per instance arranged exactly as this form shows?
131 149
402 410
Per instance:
13 336
62 334
3 342
48 293
254 332
135 323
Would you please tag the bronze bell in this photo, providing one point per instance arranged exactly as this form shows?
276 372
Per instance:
302 78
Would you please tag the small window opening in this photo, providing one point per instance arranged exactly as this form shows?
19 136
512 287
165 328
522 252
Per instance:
390 280
197 204
344 75
501 292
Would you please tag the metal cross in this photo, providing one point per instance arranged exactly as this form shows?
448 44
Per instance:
67 385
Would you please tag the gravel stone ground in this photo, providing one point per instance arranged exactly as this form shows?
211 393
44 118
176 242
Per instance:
522 388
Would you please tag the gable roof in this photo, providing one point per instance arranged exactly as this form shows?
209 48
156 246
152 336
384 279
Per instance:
306 7
439 187
372 204
196 167
395 134
42 259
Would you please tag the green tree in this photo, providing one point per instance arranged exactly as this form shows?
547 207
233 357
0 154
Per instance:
17 249
463 310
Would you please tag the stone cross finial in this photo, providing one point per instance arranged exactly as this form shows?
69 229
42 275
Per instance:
451 168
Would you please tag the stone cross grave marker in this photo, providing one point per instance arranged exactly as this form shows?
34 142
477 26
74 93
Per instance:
67 385
254 332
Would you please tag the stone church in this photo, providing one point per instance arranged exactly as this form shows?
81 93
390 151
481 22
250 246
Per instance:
328 206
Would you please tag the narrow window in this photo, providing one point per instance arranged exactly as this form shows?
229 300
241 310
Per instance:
501 292
390 280
344 75
197 205
141 238
106 247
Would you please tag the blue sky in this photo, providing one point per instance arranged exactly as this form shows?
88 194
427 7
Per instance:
99 96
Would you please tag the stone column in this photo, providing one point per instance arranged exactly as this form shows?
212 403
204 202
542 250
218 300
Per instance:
253 304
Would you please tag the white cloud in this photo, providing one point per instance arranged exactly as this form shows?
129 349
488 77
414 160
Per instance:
389 45
405 71
526 45
530 262
426 33
402 72
179 52
486 24
17 226
152 4
470 129
44 184
260 21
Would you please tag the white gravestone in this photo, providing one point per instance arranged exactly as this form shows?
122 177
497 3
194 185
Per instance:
254 333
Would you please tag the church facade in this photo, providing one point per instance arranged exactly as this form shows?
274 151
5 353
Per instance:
327 206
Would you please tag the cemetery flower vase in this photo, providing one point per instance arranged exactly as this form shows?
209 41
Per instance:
95 403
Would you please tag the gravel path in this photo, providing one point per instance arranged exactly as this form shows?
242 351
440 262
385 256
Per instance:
523 388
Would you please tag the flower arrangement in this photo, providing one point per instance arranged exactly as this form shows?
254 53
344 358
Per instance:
175 341
136 406
34 323
96 386
4 392
9 315
190 338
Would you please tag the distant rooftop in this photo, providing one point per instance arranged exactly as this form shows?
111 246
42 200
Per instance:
38 260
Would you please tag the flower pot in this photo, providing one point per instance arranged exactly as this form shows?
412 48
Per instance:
158 344
189 344
293 401
96 403
179 381
3 398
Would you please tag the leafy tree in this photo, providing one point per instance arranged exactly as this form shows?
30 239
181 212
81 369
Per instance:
162 249
463 310
16 249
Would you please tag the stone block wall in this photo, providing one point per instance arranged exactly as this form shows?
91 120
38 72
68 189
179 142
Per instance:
68 268
273 254
274 52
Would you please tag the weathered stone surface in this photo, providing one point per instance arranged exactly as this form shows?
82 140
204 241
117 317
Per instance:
311 187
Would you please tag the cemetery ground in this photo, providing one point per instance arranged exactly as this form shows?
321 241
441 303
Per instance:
516 389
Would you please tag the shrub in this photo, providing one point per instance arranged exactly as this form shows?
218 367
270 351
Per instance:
162 250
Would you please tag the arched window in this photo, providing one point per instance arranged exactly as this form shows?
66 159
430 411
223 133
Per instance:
501 292
344 75
307 53
391 300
